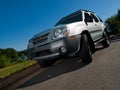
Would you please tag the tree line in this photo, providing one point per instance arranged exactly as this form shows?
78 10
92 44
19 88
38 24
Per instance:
10 56
113 23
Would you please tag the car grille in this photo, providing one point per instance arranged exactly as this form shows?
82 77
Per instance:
40 39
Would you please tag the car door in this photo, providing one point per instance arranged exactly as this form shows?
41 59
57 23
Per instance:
98 27
90 25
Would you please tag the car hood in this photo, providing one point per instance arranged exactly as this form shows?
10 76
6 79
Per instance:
48 30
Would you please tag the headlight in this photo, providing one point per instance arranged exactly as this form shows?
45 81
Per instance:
60 33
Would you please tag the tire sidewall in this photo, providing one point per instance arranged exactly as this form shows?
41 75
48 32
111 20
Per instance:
106 41
85 52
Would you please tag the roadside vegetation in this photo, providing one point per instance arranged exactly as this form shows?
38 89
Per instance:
113 24
10 57
12 61
15 68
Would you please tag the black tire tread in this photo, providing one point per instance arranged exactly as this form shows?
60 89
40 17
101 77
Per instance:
105 43
85 52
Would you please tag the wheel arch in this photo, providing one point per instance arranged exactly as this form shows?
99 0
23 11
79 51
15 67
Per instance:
90 41
105 30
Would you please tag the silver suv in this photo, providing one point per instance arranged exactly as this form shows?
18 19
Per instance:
76 34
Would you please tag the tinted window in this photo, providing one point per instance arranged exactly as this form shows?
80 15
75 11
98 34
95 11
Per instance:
70 19
95 18
88 18
100 19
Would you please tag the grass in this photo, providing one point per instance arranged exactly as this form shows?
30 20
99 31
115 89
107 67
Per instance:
15 68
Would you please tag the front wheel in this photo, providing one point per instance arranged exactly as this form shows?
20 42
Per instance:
106 41
85 52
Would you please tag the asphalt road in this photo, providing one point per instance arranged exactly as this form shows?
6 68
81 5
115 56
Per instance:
103 73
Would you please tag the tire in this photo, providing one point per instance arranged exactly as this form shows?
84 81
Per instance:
106 41
85 52
46 63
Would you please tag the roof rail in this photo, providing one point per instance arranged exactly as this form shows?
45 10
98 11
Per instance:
86 10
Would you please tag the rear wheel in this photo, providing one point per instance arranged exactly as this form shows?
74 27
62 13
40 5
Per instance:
85 52
106 41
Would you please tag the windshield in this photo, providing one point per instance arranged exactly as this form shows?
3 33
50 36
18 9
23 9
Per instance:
70 19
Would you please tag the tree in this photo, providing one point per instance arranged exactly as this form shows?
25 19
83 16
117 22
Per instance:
119 14
9 56
114 23
4 61
22 52
1 51
21 58
11 53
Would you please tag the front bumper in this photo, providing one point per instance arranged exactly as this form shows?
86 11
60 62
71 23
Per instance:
52 50
51 56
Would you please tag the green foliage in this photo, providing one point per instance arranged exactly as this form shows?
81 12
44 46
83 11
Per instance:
10 56
119 14
4 61
12 61
114 23
21 58
22 52
1 51
11 53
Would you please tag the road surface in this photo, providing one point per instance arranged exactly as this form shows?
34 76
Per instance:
103 73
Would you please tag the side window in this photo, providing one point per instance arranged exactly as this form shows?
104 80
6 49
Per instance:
100 19
88 18
95 18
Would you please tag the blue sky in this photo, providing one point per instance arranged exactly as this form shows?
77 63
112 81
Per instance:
21 19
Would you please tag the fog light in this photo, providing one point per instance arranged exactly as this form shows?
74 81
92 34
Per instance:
63 49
